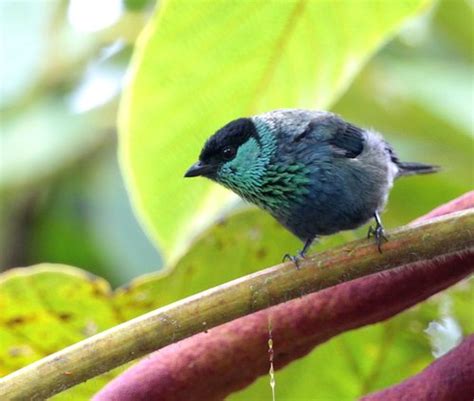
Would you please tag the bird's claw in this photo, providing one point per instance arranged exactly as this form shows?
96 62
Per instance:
293 258
379 234
300 255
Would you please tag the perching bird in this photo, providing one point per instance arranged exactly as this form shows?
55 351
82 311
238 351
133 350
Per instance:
311 170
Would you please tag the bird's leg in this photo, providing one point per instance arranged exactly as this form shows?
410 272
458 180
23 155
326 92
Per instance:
378 232
300 255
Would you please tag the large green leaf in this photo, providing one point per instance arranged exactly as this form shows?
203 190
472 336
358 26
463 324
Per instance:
200 64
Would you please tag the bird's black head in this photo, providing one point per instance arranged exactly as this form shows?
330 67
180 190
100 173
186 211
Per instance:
222 147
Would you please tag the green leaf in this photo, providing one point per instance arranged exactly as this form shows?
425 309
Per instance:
200 269
48 307
199 65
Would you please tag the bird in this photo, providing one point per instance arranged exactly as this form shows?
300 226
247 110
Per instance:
315 173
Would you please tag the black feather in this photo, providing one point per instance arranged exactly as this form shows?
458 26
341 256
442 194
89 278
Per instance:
349 139
233 134
303 134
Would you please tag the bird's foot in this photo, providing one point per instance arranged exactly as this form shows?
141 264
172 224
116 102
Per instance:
379 234
296 259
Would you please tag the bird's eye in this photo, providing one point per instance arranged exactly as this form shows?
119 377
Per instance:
228 153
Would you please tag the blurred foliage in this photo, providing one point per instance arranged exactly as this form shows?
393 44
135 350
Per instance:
63 199
62 196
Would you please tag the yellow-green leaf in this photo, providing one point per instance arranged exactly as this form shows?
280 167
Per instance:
48 307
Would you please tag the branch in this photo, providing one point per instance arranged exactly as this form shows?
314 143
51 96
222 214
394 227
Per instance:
130 340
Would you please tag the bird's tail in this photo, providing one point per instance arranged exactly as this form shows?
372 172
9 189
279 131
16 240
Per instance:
407 168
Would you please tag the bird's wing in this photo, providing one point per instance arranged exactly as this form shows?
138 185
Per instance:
345 139
348 140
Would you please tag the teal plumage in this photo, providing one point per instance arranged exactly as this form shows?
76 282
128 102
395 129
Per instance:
311 170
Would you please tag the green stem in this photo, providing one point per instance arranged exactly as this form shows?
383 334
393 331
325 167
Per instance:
169 324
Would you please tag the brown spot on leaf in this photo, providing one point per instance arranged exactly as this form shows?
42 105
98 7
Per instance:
16 321
64 316
261 253
147 305
97 291
220 244
190 269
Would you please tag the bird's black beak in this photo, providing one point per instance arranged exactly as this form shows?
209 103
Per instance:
199 168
